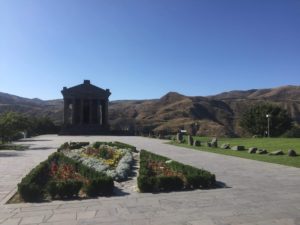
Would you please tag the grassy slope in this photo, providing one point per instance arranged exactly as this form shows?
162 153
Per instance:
271 144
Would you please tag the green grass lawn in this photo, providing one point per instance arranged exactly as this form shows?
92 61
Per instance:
270 144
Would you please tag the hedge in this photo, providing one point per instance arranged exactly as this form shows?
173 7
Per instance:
64 189
31 186
37 183
191 177
115 144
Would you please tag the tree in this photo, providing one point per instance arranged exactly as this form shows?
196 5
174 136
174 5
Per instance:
41 125
255 122
11 124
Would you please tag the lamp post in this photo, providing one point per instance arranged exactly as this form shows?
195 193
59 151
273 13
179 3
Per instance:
268 118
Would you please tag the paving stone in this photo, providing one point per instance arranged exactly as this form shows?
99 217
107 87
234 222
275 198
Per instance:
11 221
86 215
201 222
32 220
33 213
62 217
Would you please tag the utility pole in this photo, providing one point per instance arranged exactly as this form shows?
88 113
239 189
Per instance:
268 118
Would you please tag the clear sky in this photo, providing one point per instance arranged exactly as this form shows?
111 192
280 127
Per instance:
142 49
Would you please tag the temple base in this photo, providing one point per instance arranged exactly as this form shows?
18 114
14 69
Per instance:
85 129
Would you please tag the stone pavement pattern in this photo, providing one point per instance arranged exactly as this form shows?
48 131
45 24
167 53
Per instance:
260 193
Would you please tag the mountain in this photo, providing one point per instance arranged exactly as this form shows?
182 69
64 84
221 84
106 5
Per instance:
212 115
32 107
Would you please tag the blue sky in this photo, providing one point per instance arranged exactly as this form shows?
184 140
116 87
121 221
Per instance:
142 49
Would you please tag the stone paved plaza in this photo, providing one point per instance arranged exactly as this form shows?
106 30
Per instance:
257 192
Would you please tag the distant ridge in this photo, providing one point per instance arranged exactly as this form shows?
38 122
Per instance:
212 115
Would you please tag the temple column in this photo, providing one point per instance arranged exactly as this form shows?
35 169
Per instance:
102 113
66 110
91 111
73 110
105 119
98 112
81 110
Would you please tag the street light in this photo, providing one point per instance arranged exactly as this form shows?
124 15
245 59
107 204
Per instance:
268 118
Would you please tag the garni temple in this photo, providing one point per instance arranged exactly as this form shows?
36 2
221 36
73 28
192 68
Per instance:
85 110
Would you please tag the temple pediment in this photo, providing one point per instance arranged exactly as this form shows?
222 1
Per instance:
85 90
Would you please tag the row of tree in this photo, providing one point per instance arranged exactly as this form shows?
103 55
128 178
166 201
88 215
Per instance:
267 120
13 124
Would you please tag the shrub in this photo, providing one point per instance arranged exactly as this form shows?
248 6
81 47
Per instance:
146 184
204 180
76 145
64 146
31 186
98 144
30 192
99 186
168 183
64 189
294 132
115 144
72 145
123 145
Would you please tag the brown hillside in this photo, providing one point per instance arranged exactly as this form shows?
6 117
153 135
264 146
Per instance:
212 115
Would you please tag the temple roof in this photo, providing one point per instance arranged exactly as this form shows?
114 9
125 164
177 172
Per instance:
85 90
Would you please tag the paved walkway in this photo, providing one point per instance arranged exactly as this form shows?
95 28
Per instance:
260 193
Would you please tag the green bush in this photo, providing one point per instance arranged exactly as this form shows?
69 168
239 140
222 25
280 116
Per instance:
30 192
294 132
31 186
146 184
72 145
64 189
97 144
204 180
99 186
115 144
123 145
168 183
76 145
64 146
194 178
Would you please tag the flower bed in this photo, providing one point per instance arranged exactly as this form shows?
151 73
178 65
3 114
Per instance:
113 159
158 173
60 177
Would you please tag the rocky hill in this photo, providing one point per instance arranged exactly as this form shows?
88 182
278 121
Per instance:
32 107
212 115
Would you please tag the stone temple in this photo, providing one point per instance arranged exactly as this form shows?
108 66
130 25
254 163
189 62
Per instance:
85 110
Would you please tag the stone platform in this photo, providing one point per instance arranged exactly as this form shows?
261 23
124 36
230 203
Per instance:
258 193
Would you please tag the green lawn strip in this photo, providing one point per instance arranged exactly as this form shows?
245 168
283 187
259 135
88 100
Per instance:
269 145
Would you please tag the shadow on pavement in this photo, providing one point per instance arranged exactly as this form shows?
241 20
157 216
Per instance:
220 184
10 154
119 192
30 140
41 148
